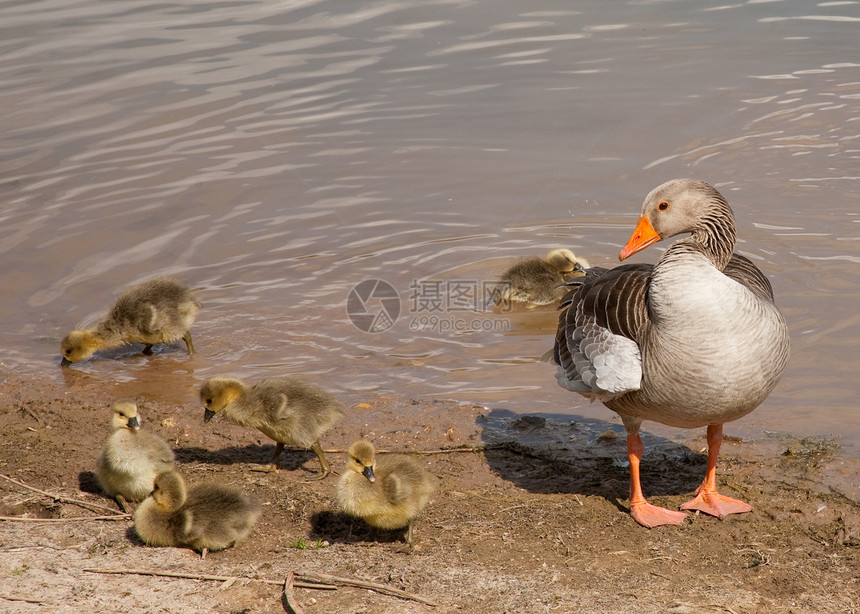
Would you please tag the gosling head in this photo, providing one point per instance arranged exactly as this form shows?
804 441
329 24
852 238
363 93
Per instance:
125 415
168 490
217 393
78 345
361 459
563 261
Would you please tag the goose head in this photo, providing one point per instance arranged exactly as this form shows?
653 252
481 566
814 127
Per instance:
361 459
125 415
217 393
679 206
168 491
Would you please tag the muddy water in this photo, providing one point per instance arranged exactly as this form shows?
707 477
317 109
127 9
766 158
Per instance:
277 154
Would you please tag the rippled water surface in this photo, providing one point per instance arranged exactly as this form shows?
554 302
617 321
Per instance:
276 154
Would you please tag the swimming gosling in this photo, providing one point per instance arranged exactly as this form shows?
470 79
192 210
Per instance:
288 410
131 458
204 517
160 310
386 492
537 281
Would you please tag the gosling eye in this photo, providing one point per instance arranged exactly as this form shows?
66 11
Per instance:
663 206
68 352
208 401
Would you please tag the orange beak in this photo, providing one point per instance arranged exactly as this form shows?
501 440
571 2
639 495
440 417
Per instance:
643 236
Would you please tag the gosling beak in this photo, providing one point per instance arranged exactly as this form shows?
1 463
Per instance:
578 267
207 415
133 423
65 362
368 473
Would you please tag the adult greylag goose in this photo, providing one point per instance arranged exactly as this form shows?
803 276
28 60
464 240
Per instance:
160 310
694 340
538 281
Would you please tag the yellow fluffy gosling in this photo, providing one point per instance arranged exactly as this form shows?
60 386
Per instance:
537 281
160 310
290 411
204 517
131 458
386 492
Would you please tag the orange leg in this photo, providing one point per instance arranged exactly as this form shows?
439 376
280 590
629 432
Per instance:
643 512
707 499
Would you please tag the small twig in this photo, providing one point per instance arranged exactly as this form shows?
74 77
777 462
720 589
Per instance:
379 588
61 499
187 576
29 412
299 581
24 599
71 519
429 452
566 548
289 597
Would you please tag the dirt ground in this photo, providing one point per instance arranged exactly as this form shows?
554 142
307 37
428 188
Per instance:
530 516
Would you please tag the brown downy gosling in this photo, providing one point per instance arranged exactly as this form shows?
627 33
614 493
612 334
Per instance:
386 492
290 411
537 281
204 517
160 310
131 458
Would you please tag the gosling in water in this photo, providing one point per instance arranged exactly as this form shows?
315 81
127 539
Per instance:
386 492
131 458
160 310
289 410
204 517
537 281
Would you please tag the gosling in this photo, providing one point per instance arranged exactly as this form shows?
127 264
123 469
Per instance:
160 310
387 492
205 517
536 281
131 458
288 410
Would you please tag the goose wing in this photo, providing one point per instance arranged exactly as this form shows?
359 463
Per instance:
743 271
603 320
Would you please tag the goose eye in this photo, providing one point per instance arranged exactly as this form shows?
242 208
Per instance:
68 352
663 206
208 401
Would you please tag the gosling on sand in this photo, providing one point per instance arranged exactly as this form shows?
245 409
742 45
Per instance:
289 410
160 310
204 517
131 458
388 491
537 281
